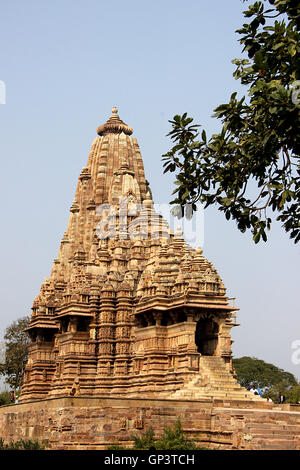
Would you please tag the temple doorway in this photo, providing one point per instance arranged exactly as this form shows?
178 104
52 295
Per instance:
206 336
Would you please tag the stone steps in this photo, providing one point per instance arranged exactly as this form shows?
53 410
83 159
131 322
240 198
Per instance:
217 386
212 392
222 381
214 381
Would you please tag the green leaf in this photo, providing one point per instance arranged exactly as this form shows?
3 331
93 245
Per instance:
256 237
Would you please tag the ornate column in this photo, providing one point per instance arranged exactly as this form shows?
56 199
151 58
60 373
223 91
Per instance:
94 309
106 331
123 329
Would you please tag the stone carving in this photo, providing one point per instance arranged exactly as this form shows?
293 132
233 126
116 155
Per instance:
123 423
75 390
138 423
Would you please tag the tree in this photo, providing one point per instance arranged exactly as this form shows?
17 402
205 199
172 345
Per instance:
173 438
144 441
5 398
22 445
269 378
293 395
16 341
251 167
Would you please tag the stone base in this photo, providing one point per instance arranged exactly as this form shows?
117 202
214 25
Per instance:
90 423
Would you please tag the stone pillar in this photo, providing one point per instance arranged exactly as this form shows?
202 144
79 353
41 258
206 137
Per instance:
106 330
224 346
94 309
123 329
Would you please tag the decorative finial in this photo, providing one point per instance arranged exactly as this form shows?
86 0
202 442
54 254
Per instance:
114 125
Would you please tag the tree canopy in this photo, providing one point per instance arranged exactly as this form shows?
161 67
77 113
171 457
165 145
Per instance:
16 341
251 167
270 378
5 398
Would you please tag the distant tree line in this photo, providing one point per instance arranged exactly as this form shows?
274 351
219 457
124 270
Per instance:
272 380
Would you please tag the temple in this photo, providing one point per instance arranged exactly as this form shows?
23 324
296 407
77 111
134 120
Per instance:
129 308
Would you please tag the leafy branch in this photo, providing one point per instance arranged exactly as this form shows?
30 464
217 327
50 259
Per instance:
259 143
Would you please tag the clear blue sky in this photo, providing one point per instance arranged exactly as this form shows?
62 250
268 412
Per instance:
65 64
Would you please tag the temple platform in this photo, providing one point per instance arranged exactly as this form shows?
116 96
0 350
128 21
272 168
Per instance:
95 423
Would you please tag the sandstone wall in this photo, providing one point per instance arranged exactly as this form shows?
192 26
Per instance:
96 423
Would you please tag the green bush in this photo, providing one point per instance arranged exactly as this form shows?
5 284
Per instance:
116 447
4 398
173 438
144 441
22 445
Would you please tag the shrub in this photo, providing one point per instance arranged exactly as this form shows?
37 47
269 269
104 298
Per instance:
173 438
22 445
4 398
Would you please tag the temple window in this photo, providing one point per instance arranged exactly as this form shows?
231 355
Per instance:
141 321
82 324
48 336
33 336
64 325
181 317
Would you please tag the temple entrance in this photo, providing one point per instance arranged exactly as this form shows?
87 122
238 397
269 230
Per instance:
206 336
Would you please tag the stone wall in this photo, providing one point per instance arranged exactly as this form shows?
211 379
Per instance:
96 423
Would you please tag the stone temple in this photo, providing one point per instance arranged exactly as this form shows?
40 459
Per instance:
132 328
129 307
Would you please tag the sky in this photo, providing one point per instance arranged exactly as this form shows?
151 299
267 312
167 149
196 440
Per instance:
65 64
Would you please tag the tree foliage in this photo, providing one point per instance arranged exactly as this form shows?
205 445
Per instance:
4 398
251 167
22 445
144 441
173 438
293 394
271 379
16 341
